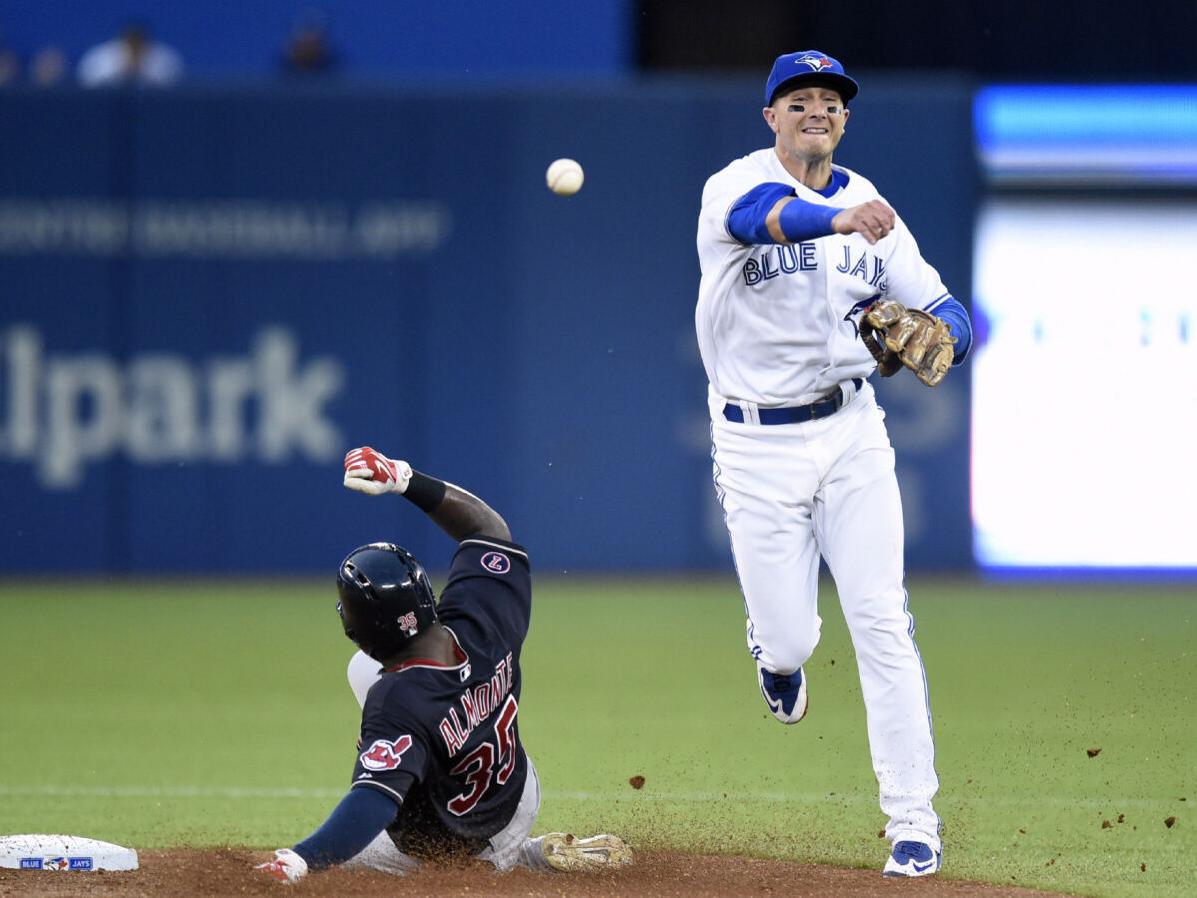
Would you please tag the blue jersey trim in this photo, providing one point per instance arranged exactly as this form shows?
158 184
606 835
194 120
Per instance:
746 218
799 219
935 303
952 312
839 180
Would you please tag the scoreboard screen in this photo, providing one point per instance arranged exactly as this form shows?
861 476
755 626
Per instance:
1084 402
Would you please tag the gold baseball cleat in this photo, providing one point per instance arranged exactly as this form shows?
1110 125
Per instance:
567 853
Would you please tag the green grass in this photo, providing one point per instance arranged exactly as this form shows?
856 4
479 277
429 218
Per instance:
217 713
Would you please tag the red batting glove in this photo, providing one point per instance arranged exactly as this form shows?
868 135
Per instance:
369 471
287 866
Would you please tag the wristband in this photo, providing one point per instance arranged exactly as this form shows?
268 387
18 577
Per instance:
800 220
954 314
425 492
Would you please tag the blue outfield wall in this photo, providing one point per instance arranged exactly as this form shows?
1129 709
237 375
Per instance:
206 297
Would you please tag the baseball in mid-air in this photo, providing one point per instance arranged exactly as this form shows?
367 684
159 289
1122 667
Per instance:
564 177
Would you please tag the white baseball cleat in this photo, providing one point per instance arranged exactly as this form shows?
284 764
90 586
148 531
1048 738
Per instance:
567 853
912 859
785 694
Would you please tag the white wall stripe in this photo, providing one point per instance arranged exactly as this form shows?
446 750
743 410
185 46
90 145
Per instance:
166 792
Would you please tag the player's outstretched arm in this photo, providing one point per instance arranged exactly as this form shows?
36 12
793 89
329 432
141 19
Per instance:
458 512
772 213
872 220
354 823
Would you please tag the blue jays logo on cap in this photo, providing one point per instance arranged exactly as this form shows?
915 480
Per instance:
790 68
815 62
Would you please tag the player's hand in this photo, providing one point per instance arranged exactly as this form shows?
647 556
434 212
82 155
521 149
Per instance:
287 866
914 338
369 471
872 220
884 314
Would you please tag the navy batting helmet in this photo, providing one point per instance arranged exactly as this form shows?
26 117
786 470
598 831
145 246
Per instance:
385 598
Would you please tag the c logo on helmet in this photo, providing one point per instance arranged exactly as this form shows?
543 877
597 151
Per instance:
496 562
384 755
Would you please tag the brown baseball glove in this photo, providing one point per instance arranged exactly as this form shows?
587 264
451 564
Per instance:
898 336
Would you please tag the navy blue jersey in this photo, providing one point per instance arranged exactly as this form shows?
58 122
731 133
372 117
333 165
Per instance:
443 739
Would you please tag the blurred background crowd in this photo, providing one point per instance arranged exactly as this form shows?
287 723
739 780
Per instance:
134 56
114 42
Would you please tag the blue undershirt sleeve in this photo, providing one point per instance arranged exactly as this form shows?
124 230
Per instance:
799 219
956 317
353 824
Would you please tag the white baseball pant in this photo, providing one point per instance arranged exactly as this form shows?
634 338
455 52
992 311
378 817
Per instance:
793 492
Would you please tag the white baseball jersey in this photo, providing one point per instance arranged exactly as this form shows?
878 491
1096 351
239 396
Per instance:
777 325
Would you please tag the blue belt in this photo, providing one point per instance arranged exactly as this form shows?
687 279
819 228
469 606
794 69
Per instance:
794 414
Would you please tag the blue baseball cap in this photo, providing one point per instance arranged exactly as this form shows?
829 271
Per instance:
809 65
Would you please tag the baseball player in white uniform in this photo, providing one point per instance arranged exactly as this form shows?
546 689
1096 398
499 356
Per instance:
797 255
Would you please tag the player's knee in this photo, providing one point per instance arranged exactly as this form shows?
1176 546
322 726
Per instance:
362 674
881 616
785 657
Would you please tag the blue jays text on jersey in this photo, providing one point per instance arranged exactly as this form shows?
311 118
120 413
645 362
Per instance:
775 260
792 258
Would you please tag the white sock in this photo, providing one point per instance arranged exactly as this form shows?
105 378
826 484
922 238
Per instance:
532 854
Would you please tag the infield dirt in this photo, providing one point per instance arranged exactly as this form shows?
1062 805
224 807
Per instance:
660 875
